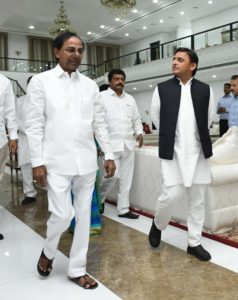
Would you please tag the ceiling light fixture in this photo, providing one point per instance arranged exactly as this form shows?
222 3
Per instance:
119 8
161 21
31 27
210 2
144 27
182 13
155 1
61 22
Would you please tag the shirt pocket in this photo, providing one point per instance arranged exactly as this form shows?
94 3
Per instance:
129 111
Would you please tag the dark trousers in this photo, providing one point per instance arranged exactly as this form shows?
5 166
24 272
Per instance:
223 126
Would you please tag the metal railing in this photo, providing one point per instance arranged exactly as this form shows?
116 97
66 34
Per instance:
212 37
17 89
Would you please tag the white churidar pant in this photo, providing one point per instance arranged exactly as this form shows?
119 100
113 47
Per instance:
124 161
196 209
27 180
62 211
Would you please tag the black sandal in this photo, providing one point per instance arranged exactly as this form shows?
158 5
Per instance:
46 263
84 282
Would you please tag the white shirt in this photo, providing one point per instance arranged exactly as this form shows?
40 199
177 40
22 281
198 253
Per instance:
7 111
23 147
123 119
63 114
188 165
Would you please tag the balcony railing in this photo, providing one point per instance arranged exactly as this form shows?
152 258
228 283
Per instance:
212 37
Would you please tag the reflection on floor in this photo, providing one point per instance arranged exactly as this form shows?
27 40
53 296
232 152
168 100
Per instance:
120 258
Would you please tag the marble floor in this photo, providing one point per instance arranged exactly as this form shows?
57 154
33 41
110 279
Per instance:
120 259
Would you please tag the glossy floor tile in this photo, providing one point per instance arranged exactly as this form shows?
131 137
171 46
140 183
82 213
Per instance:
19 252
120 259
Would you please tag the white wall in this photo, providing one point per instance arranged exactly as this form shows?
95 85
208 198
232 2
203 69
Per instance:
145 43
225 17
17 42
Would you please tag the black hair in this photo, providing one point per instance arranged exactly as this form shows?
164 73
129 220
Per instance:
227 84
234 77
103 87
116 71
62 37
192 55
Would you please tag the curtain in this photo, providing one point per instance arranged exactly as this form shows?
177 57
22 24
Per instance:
99 53
41 53
3 51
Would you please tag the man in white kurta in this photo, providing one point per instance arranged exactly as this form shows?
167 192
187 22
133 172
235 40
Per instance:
64 113
123 119
188 171
7 120
24 161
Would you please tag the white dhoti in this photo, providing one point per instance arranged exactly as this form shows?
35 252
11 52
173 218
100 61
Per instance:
62 211
124 162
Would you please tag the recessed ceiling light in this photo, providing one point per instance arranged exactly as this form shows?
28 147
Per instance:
155 1
161 21
89 32
134 88
144 27
117 19
210 2
150 86
214 76
182 13
134 11
31 27
195 7
102 26
126 34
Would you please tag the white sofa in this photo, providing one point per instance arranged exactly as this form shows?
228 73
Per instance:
222 196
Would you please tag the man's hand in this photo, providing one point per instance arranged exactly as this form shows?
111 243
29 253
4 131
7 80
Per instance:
110 168
40 176
12 144
221 110
139 139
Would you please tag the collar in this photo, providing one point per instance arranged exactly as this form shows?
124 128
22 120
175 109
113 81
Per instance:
112 92
189 82
60 72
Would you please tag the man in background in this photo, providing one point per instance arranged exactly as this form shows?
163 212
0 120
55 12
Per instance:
223 108
233 115
7 120
124 121
24 161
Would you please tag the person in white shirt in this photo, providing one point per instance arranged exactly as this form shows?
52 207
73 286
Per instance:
24 161
64 113
182 109
7 120
123 120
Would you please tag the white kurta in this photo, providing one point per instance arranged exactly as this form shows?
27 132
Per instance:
23 147
63 115
188 165
123 119
7 111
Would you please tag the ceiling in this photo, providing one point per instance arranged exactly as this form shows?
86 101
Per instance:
89 15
